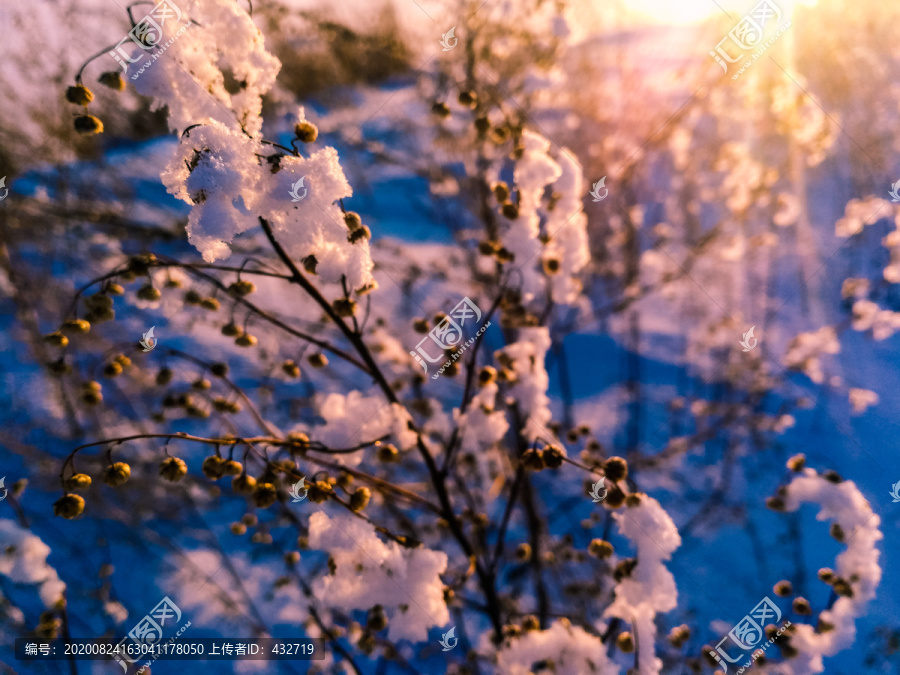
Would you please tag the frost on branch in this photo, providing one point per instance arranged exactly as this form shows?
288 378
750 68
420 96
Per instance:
572 650
650 588
190 78
856 567
567 226
23 559
369 572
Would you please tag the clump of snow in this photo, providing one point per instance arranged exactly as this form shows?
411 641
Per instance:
355 418
804 351
189 79
481 426
526 358
882 322
567 226
368 572
861 399
844 505
219 171
860 213
23 559
651 587
572 650
534 170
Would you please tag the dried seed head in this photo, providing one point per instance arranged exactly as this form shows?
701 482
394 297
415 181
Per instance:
79 95
360 499
246 340
801 607
440 109
501 191
232 467
375 619
634 499
352 220
523 552
219 369
482 124
290 368
210 303
117 474
487 375
552 266
360 234
420 325
832 476
344 307
74 326
320 491
553 456
307 132
213 467
599 548
243 484
115 289
173 469
68 506
149 292
388 453
240 289
615 469
112 369
837 532
265 495
625 642
78 481
88 124
238 529
783 588
530 623
56 339
826 574
113 80
797 462
533 460
468 99
317 360
510 210
192 297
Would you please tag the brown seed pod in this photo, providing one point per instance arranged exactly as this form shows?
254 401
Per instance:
78 481
117 474
79 95
173 469
68 506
